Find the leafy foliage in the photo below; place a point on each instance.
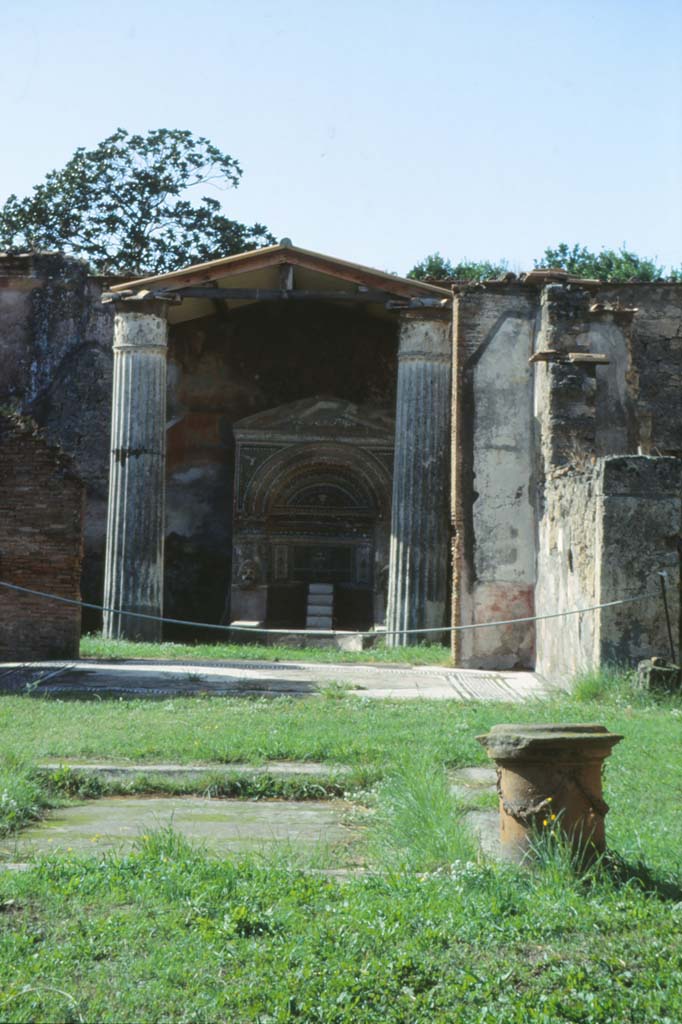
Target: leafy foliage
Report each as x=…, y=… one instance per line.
x=123, y=206
x=606, y=265
x=437, y=268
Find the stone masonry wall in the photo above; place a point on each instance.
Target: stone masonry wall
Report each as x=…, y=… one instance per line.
x=607, y=524
x=606, y=533
x=638, y=327
x=56, y=357
x=41, y=509
x=654, y=370
x=640, y=535
x=566, y=578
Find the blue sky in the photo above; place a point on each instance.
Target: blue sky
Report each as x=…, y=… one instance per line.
x=378, y=131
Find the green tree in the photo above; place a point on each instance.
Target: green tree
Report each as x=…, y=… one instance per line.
x=606, y=265
x=124, y=207
x=438, y=268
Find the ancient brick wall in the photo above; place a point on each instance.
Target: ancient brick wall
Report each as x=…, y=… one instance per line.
x=41, y=512
x=56, y=357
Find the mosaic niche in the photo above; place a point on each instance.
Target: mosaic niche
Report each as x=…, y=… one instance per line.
x=312, y=499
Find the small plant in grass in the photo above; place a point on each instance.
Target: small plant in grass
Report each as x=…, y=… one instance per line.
x=418, y=824
x=562, y=858
x=336, y=691
x=72, y=782
x=22, y=798
x=609, y=682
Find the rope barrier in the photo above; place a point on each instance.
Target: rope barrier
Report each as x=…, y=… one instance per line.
x=326, y=632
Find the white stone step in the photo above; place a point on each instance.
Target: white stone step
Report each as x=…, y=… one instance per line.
x=318, y=622
x=320, y=609
x=321, y=588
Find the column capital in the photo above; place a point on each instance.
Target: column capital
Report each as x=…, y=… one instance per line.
x=425, y=338
x=140, y=326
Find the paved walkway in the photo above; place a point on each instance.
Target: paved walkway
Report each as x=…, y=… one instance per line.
x=155, y=679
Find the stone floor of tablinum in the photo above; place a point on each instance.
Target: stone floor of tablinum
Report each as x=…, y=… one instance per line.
x=224, y=827
x=220, y=826
x=268, y=679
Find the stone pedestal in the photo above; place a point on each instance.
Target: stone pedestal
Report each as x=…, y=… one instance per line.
x=419, y=554
x=549, y=777
x=133, y=578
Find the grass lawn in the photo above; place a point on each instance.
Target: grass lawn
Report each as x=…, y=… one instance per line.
x=432, y=934
x=95, y=646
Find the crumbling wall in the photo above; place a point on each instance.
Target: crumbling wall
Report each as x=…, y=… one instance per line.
x=654, y=361
x=606, y=532
x=55, y=349
x=639, y=535
x=638, y=327
x=493, y=497
x=41, y=510
x=607, y=524
x=566, y=579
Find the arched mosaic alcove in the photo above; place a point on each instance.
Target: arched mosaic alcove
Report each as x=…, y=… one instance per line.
x=312, y=505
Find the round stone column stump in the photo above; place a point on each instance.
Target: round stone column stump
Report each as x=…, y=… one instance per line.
x=550, y=777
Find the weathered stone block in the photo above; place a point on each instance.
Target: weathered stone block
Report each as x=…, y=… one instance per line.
x=658, y=674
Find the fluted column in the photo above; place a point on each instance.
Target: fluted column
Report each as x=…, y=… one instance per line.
x=419, y=559
x=133, y=579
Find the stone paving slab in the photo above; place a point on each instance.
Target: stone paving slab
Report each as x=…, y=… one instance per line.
x=222, y=826
x=156, y=679
x=277, y=769
x=468, y=784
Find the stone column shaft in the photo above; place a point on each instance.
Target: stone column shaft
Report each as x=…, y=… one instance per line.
x=133, y=578
x=419, y=558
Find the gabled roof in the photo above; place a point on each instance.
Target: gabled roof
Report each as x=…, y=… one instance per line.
x=276, y=256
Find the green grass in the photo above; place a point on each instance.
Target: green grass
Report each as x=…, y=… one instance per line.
x=95, y=646
x=22, y=796
x=168, y=934
x=606, y=683
x=418, y=825
x=65, y=782
x=433, y=934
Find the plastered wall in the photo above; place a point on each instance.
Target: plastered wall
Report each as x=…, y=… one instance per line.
x=493, y=475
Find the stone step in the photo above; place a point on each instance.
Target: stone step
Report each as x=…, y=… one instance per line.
x=318, y=622
x=320, y=588
x=318, y=607
x=279, y=769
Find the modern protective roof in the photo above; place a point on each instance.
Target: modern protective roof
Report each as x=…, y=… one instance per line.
x=278, y=271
